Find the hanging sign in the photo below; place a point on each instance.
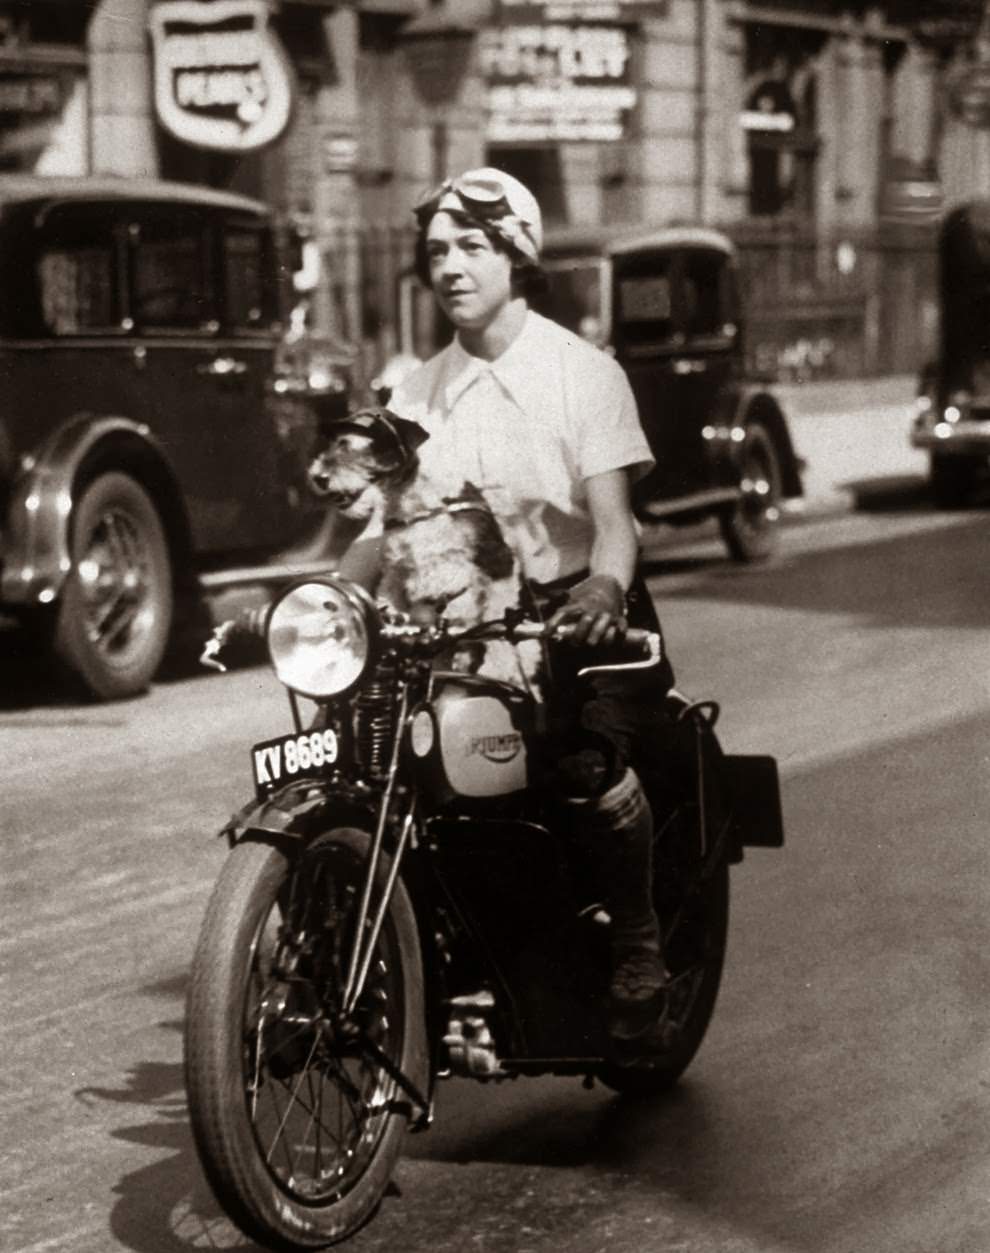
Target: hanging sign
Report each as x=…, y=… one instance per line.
x=222, y=78
x=580, y=10
x=556, y=83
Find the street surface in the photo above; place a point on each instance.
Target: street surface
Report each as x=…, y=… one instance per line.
x=841, y=1102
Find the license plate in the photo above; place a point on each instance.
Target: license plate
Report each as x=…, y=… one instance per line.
x=309, y=754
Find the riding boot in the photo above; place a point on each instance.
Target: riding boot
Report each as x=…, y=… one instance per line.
x=620, y=827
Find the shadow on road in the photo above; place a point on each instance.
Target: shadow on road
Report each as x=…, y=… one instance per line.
x=927, y=579
x=894, y=494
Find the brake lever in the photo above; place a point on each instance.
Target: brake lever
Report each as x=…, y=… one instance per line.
x=210, y=656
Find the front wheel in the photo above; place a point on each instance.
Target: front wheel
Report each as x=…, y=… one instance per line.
x=296, y=1113
x=749, y=528
x=115, y=611
x=694, y=917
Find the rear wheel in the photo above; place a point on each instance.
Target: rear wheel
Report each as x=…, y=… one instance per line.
x=297, y=1119
x=115, y=611
x=749, y=528
x=952, y=478
x=694, y=915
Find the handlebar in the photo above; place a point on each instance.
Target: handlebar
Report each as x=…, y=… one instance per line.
x=647, y=642
x=433, y=638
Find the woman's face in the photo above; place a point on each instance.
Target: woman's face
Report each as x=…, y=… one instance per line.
x=472, y=280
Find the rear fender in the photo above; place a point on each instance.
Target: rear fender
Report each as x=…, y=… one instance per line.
x=754, y=791
x=37, y=553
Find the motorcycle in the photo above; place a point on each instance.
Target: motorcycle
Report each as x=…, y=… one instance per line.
x=401, y=904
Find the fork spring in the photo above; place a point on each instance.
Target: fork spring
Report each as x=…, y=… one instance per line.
x=374, y=710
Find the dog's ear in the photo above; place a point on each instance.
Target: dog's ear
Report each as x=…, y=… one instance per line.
x=409, y=434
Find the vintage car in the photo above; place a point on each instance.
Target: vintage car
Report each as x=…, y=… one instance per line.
x=153, y=439
x=667, y=305
x=952, y=414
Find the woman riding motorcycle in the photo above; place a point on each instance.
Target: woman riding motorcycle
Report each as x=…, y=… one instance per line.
x=547, y=427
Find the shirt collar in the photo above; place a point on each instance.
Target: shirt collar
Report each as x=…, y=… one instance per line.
x=513, y=369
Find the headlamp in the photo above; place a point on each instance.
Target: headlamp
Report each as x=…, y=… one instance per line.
x=321, y=636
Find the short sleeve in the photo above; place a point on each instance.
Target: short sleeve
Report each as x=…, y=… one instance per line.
x=604, y=411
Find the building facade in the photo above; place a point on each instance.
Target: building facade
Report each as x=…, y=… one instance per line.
x=825, y=136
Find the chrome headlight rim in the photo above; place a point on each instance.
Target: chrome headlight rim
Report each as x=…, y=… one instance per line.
x=358, y=601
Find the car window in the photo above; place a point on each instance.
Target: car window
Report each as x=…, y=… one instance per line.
x=78, y=274
x=171, y=287
x=574, y=298
x=644, y=311
x=247, y=296
x=705, y=294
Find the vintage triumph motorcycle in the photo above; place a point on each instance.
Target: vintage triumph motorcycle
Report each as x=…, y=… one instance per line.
x=401, y=903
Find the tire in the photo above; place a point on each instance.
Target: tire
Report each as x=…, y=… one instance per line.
x=695, y=918
x=114, y=614
x=749, y=528
x=952, y=479
x=270, y=956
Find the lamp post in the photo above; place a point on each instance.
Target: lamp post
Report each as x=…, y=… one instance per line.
x=438, y=45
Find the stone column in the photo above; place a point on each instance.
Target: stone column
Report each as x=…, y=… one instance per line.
x=122, y=129
x=861, y=75
x=336, y=301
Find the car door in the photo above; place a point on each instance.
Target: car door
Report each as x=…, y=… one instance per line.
x=669, y=336
x=202, y=380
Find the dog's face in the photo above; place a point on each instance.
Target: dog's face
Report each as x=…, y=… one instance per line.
x=368, y=456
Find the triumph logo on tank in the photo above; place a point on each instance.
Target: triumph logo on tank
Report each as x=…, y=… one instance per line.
x=222, y=79
x=496, y=748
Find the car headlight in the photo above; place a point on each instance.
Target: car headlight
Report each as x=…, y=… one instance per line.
x=321, y=635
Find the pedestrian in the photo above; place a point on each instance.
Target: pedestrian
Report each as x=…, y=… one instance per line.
x=546, y=426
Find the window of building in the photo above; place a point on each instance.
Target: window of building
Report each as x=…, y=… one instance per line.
x=780, y=120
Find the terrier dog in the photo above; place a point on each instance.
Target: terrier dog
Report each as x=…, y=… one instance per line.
x=440, y=554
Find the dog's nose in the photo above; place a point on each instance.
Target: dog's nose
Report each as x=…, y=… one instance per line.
x=319, y=478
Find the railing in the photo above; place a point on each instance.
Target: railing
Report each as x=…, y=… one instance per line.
x=817, y=306
x=844, y=305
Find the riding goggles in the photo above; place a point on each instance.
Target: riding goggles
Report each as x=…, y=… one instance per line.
x=484, y=197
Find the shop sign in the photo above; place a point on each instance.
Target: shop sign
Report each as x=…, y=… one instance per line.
x=527, y=11
x=770, y=108
x=30, y=95
x=556, y=83
x=222, y=78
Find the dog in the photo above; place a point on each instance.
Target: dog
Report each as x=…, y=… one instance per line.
x=438, y=555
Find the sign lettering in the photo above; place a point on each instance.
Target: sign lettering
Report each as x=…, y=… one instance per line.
x=556, y=82
x=222, y=79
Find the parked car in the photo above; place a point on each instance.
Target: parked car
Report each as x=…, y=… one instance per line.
x=952, y=415
x=667, y=305
x=153, y=440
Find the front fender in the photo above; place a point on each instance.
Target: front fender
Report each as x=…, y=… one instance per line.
x=36, y=553
x=757, y=405
x=295, y=814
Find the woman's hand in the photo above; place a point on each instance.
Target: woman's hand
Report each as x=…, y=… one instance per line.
x=594, y=612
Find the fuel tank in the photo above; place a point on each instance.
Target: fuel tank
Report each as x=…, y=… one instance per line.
x=475, y=739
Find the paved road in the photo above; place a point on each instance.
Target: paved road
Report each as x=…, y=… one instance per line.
x=840, y=1102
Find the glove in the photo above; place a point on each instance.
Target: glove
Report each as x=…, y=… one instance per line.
x=594, y=612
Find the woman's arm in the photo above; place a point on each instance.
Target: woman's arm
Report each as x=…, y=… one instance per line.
x=595, y=608
x=615, y=546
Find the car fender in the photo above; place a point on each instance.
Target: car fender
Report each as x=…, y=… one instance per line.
x=756, y=405
x=36, y=541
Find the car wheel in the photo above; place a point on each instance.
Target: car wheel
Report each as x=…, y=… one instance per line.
x=115, y=611
x=749, y=528
x=951, y=479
